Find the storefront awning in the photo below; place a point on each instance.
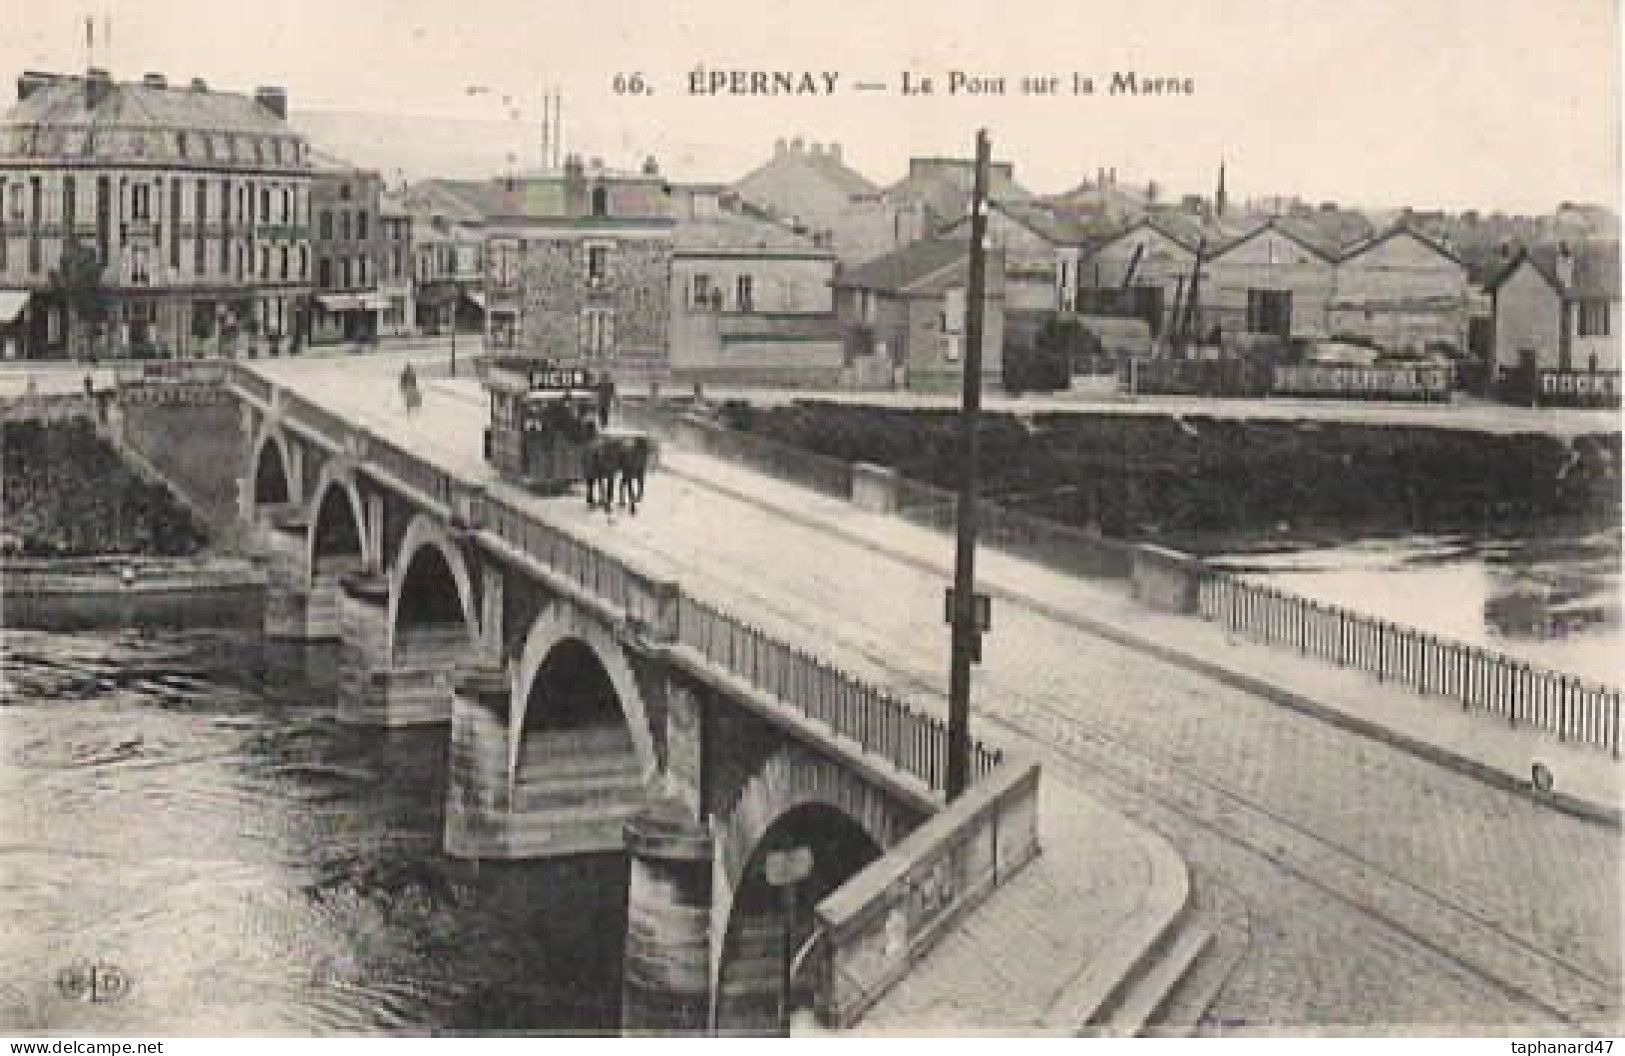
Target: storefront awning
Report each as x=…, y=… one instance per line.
x=477, y=296
x=373, y=302
x=11, y=304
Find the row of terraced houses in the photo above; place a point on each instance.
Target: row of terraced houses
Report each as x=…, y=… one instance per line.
x=214, y=226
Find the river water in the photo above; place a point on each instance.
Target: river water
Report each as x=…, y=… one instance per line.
x=184, y=808
x=1553, y=601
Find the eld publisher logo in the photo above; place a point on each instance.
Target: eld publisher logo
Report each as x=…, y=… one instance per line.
x=95, y=983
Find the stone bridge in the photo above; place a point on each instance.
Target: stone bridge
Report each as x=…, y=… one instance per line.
x=596, y=707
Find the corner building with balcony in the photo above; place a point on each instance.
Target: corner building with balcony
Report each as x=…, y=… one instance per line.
x=578, y=268
x=195, y=203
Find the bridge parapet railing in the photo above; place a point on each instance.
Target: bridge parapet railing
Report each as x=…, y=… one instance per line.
x=642, y=597
x=1479, y=678
x=172, y=371
x=876, y=720
x=249, y=382
x=297, y=408
x=413, y=471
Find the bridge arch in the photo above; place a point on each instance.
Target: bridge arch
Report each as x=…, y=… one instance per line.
x=338, y=525
x=432, y=608
x=574, y=678
x=272, y=471
x=781, y=810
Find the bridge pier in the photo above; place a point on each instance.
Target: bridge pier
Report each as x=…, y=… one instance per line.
x=287, y=600
x=373, y=690
x=478, y=793
x=751, y=992
x=666, y=970
x=326, y=589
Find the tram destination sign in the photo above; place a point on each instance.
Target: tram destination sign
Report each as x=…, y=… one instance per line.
x=550, y=377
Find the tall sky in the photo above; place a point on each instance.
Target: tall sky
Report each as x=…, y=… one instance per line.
x=1509, y=104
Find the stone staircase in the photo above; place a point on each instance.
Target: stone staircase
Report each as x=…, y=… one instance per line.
x=1181, y=975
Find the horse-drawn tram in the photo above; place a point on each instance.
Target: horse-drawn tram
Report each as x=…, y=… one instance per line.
x=549, y=430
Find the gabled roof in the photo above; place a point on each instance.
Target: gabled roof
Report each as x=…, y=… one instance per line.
x=1057, y=228
x=1596, y=270
x=1293, y=232
x=1395, y=230
x=1183, y=231
x=907, y=267
x=826, y=164
x=1329, y=233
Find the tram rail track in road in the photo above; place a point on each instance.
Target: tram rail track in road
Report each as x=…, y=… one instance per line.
x=1342, y=879
x=1572, y=995
x=1155, y=783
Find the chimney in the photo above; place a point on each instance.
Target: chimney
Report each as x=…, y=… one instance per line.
x=1111, y=174
x=816, y=148
x=796, y=145
x=780, y=147
x=1565, y=266
x=575, y=186
x=98, y=83
x=31, y=82
x=834, y=151
x=199, y=84
x=650, y=166
x=154, y=80
x=273, y=99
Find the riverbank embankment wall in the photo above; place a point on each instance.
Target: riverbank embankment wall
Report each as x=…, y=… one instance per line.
x=188, y=435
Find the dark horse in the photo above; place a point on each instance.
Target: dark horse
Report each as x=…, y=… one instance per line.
x=612, y=457
x=598, y=468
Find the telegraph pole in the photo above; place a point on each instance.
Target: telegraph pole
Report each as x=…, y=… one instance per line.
x=966, y=632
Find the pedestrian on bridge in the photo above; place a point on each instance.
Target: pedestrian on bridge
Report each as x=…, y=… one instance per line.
x=409, y=389
x=606, y=398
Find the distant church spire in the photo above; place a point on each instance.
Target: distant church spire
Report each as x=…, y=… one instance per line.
x=1219, y=197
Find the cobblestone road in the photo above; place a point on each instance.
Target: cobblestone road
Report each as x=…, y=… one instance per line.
x=1382, y=890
